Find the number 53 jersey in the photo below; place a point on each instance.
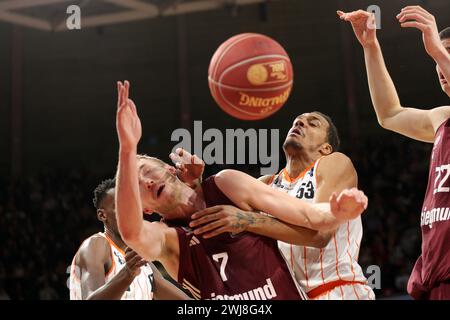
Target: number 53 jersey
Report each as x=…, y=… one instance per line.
x=320, y=270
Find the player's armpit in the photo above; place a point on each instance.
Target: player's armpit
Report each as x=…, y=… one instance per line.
x=438, y=116
x=150, y=242
x=157, y=241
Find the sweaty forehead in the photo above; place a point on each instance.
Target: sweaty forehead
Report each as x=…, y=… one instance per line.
x=312, y=115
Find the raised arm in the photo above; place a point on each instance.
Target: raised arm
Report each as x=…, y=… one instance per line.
x=390, y=113
x=147, y=239
x=250, y=194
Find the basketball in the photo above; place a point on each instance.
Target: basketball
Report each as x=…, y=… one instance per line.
x=250, y=76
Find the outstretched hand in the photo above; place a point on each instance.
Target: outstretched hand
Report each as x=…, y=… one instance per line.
x=128, y=124
x=364, y=25
x=419, y=18
x=348, y=205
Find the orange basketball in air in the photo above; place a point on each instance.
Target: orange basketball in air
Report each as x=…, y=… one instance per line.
x=250, y=76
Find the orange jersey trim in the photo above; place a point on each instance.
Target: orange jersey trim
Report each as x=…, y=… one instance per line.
x=301, y=175
x=327, y=287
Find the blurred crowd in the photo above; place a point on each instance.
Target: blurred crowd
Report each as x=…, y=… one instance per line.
x=44, y=218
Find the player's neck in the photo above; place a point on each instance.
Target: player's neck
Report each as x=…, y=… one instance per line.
x=295, y=164
x=190, y=202
x=115, y=238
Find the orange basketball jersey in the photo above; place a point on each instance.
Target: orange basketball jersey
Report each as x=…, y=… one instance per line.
x=338, y=261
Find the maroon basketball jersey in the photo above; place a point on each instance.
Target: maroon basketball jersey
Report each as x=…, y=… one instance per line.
x=433, y=266
x=226, y=267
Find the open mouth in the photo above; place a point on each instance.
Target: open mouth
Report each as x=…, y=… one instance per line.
x=442, y=79
x=160, y=190
x=297, y=131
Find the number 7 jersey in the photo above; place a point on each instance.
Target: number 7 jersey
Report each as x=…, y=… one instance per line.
x=226, y=267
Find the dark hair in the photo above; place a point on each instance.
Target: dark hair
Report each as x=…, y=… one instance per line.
x=332, y=134
x=445, y=34
x=101, y=190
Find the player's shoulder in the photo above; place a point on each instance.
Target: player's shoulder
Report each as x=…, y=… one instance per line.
x=95, y=245
x=227, y=176
x=335, y=158
x=335, y=162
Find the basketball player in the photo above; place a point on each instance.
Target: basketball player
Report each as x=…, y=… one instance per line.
x=245, y=266
x=314, y=170
x=430, y=278
x=104, y=268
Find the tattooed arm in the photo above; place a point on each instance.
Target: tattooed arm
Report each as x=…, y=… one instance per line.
x=219, y=219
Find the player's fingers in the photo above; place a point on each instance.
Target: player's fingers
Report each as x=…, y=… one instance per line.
x=175, y=158
x=365, y=202
x=333, y=202
x=196, y=160
x=123, y=96
x=184, y=155
x=181, y=167
x=413, y=24
x=425, y=15
x=215, y=232
x=206, y=211
x=130, y=254
x=341, y=14
x=210, y=226
x=357, y=15
x=132, y=106
x=140, y=263
x=205, y=219
x=412, y=16
x=119, y=100
x=179, y=151
x=416, y=8
x=133, y=260
x=127, y=90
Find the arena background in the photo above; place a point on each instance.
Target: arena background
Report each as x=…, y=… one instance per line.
x=58, y=100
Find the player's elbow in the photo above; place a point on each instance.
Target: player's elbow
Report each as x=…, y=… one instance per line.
x=387, y=120
x=322, y=239
x=131, y=237
x=382, y=122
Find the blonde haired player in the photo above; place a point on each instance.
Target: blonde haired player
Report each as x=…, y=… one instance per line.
x=315, y=171
x=104, y=268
